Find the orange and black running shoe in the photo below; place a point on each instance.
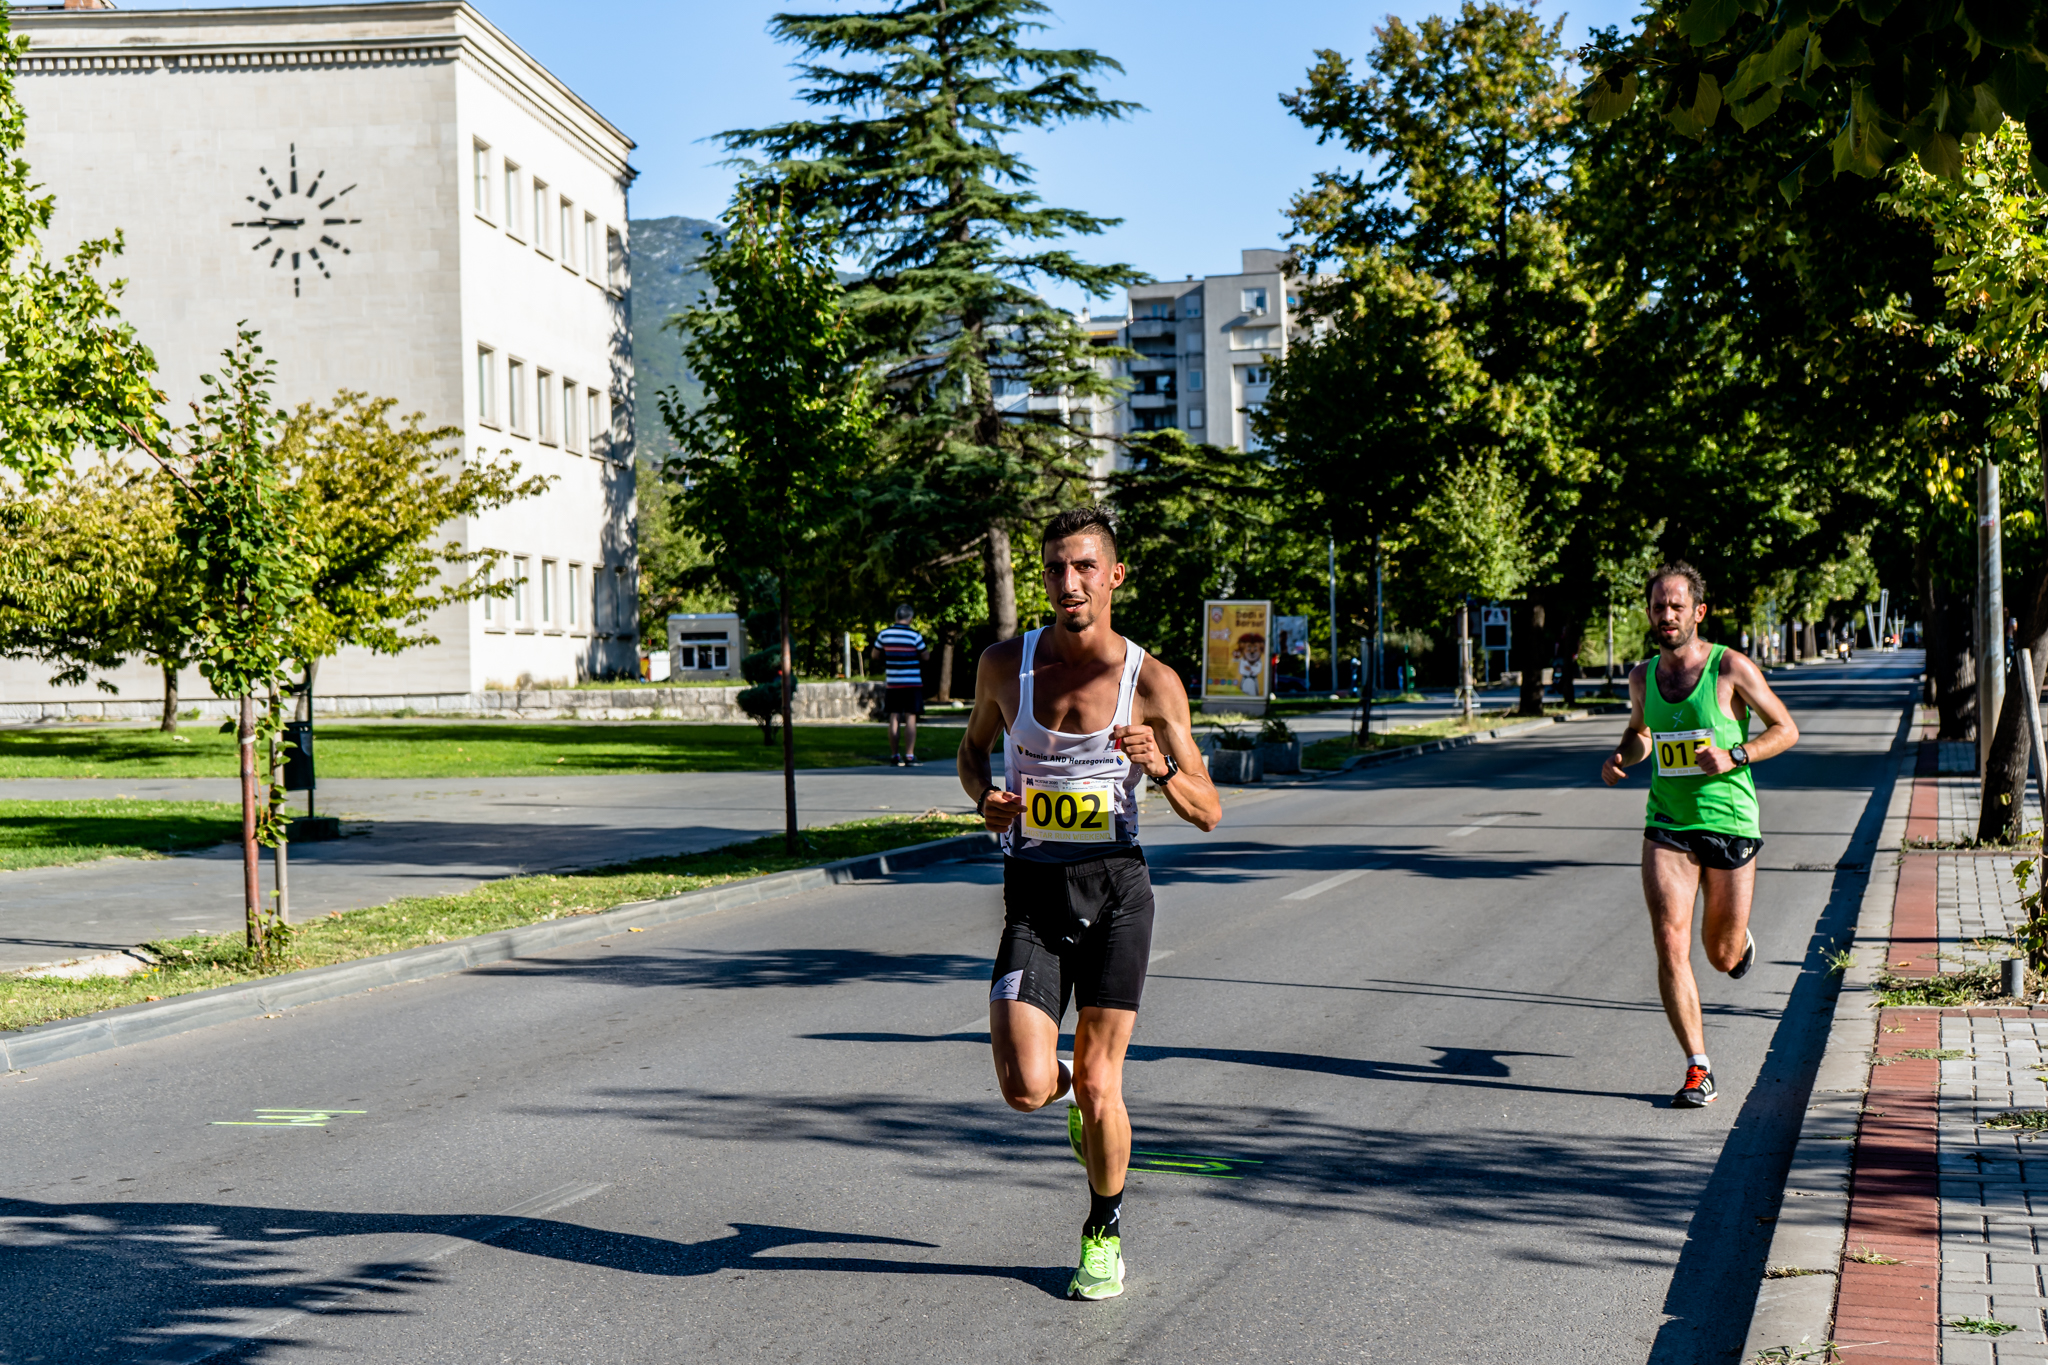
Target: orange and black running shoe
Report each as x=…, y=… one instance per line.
x=1698, y=1091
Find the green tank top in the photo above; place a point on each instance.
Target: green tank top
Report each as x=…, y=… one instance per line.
x=1681, y=796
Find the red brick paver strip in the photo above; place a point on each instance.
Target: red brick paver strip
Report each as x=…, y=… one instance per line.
x=1892, y=1312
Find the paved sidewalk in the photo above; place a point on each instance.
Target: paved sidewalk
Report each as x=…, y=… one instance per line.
x=1947, y=1236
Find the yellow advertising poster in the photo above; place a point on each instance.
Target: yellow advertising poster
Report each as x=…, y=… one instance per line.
x=1236, y=648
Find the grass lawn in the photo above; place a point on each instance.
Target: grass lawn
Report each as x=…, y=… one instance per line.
x=200, y=962
x=54, y=833
x=453, y=749
x=1331, y=753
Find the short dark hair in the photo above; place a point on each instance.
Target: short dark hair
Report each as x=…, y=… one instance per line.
x=1074, y=521
x=1695, y=583
x=905, y=612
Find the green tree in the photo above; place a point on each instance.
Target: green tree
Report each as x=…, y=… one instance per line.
x=1468, y=129
x=922, y=173
x=244, y=555
x=373, y=496
x=785, y=415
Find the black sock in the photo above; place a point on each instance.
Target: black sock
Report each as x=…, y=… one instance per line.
x=1105, y=1215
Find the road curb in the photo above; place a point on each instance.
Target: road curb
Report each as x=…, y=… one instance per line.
x=151, y=1020
x=1795, y=1313
x=1437, y=746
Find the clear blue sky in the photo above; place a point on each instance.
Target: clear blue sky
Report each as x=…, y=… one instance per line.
x=1205, y=170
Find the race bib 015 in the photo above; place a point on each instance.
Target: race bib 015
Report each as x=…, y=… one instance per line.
x=1069, y=810
x=1678, y=751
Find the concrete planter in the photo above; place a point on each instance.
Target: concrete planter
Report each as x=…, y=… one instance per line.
x=1280, y=758
x=1235, y=767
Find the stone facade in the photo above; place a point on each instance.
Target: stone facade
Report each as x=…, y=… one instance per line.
x=404, y=203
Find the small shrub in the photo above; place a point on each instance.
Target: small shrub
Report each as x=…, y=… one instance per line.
x=1230, y=737
x=2031, y=1120
x=1969, y=987
x=1276, y=731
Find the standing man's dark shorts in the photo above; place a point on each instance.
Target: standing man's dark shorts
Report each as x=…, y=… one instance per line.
x=902, y=701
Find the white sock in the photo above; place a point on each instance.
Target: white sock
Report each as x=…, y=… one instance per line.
x=1699, y=1059
x=1066, y=1083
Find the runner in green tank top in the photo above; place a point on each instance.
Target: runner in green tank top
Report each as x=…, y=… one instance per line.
x=1689, y=710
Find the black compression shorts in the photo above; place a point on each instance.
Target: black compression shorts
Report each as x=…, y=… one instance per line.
x=1080, y=931
x=1723, y=852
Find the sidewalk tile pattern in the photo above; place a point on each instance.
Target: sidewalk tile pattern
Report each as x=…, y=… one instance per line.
x=1994, y=1185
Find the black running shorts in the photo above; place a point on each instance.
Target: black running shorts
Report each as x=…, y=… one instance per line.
x=1079, y=931
x=902, y=701
x=1723, y=852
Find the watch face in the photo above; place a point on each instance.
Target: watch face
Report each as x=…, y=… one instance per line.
x=298, y=224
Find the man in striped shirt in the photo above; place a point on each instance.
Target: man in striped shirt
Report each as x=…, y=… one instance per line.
x=902, y=650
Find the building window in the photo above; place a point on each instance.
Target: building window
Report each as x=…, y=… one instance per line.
x=482, y=160
x=590, y=246
x=540, y=215
x=1253, y=375
x=1191, y=306
x=593, y=407
x=1252, y=338
x=549, y=591
x=486, y=385
x=1194, y=381
x=1194, y=419
x=622, y=602
x=488, y=575
x=574, y=601
x=569, y=441
x=519, y=563
x=1254, y=301
x=544, y=407
x=1159, y=308
x=566, y=243
x=515, y=395
x=512, y=199
x=615, y=261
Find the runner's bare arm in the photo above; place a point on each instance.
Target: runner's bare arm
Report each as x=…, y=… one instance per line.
x=1779, y=732
x=1168, y=728
x=1635, y=741
x=984, y=727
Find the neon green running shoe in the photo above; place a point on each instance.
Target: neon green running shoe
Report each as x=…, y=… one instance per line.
x=1101, y=1273
x=1074, y=1134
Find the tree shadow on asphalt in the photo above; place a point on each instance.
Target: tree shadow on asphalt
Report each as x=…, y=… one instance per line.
x=708, y=969
x=1597, y=1199
x=185, y=1281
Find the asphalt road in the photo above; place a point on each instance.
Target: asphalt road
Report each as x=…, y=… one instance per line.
x=1429, y=1099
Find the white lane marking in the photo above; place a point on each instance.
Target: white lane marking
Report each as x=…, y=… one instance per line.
x=224, y=1337
x=1330, y=883
x=1160, y=956
x=1481, y=823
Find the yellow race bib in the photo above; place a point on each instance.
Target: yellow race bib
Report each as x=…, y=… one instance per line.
x=1070, y=810
x=1678, y=751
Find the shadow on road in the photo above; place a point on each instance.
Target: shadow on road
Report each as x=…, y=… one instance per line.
x=711, y=970
x=184, y=1281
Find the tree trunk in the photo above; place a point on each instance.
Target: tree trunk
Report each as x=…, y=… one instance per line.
x=280, y=853
x=947, y=635
x=1533, y=651
x=1999, y=817
x=1809, y=641
x=1002, y=582
x=252, y=900
x=1952, y=663
x=788, y=731
x=305, y=708
x=169, y=724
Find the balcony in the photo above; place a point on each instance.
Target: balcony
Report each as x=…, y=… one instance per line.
x=1151, y=400
x=1151, y=327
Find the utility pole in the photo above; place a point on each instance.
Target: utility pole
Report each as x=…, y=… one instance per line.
x=1335, y=687
x=1465, y=658
x=1379, y=618
x=1990, y=614
x=1610, y=637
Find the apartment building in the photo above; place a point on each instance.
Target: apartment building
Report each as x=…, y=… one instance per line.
x=1206, y=348
x=404, y=203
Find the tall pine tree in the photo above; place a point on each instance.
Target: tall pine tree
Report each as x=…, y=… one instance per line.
x=953, y=241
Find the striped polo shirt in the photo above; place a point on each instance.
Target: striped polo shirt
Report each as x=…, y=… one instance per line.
x=900, y=646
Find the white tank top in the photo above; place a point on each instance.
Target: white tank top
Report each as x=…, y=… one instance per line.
x=1064, y=779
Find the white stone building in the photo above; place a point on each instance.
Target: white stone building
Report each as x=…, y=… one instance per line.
x=404, y=203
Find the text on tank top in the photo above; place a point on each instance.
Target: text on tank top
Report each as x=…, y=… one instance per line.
x=1080, y=791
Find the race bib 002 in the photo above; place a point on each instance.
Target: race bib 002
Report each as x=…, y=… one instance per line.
x=1678, y=752
x=1070, y=810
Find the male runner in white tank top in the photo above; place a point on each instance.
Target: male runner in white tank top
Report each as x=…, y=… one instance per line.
x=1087, y=714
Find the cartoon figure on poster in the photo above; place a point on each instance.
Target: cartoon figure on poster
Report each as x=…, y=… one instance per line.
x=1234, y=649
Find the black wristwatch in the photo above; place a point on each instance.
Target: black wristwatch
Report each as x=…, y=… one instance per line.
x=1171, y=769
x=1740, y=755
